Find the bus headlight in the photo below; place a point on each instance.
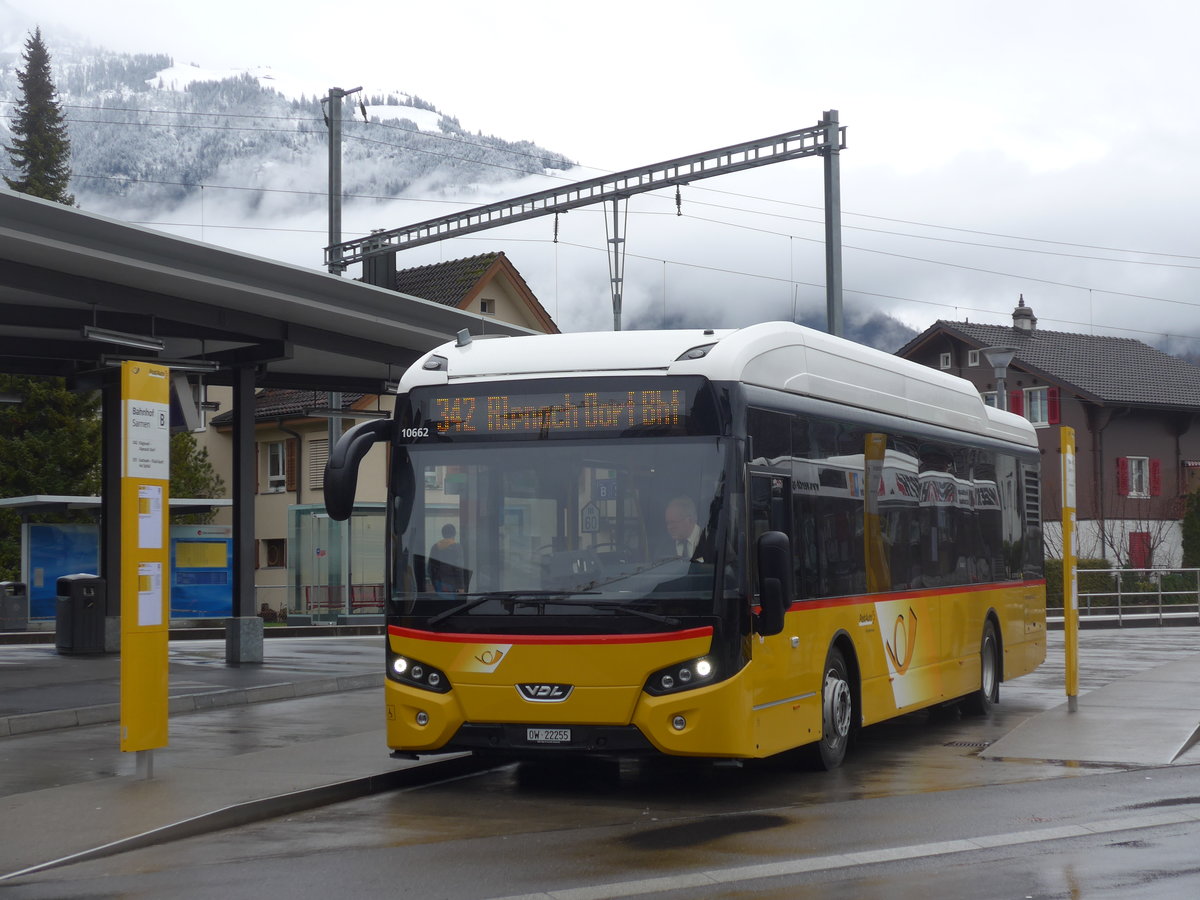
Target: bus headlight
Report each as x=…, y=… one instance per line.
x=414, y=673
x=681, y=676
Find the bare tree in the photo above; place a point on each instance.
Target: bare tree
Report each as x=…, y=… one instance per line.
x=1156, y=518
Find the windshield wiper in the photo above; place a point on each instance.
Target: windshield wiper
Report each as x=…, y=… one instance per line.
x=523, y=597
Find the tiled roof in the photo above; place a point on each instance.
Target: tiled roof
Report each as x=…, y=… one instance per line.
x=446, y=283
x=1108, y=369
x=273, y=403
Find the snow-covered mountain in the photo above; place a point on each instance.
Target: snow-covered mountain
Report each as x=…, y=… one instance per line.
x=240, y=158
x=150, y=134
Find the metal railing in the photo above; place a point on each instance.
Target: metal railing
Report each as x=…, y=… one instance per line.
x=330, y=600
x=1136, y=596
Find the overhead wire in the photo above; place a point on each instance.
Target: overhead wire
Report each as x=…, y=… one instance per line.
x=318, y=125
x=939, y=226
x=782, y=280
x=763, y=277
x=937, y=262
x=350, y=135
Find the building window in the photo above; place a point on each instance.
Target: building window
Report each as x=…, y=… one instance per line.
x=944, y=361
x=276, y=467
x=1040, y=405
x=1139, y=476
x=279, y=466
x=487, y=307
x=972, y=357
x=1036, y=406
x=989, y=399
x=1191, y=477
x=274, y=553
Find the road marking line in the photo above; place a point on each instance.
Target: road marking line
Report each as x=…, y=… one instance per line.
x=867, y=857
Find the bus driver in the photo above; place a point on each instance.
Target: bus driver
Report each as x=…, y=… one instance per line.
x=683, y=529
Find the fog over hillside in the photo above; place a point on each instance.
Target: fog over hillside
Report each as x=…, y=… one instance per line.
x=240, y=159
x=991, y=152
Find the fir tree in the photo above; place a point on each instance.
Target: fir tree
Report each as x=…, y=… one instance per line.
x=41, y=148
x=49, y=440
x=49, y=444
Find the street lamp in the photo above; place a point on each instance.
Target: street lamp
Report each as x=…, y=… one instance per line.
x=999, y=358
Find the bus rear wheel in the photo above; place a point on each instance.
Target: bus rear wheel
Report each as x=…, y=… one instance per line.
x=984, y=700
x=837, y=713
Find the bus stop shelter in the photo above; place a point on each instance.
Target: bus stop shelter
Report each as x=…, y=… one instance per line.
x=80, y=292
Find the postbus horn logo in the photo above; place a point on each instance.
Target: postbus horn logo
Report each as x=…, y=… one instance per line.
x=903, y=642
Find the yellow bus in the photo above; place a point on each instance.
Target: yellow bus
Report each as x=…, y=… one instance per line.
x=723, y=544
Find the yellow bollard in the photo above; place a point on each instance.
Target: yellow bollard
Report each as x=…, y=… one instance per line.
x=1070, y=578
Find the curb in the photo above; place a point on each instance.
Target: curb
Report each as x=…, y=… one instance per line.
x=1152, y=620
x=50, y=720
x=424, y=772
x=214, y=633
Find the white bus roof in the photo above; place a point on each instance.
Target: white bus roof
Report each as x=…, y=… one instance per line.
x=777, y=355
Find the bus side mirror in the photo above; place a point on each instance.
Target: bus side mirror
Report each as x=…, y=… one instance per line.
x=774, y=581
x=341, y=470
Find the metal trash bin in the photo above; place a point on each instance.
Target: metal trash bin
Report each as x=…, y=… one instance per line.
x=14, y=606
x=79, y=623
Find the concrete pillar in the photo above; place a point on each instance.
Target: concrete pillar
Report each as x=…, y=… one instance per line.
x=243, y=640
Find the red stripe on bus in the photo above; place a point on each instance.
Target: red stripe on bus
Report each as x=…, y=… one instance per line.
x=397, y=631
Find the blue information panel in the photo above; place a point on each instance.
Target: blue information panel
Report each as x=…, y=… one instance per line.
x=201, y=572
x=201, y=567
x=54, y=551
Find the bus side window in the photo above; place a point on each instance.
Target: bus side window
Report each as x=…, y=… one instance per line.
x=760, y=507
x=770, y=441
x=769, y=496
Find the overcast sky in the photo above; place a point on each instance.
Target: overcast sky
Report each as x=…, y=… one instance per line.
x=1068, y=130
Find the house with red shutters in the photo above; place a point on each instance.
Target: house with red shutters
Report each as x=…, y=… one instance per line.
x=1134, y=409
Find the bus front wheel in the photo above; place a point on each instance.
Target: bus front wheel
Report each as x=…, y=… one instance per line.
x=837, y=713
x=982, y=701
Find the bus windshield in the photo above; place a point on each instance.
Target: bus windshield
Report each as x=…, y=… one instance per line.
x=618, y=529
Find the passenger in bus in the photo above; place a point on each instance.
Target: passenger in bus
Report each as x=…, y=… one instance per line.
x=446, y=563
x=684, y=531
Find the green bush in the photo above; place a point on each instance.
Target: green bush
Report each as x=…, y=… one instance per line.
x=1181, y=586
x=1136, y=591
x=1191, y=531
x=1143, y=591
x=1089, y=582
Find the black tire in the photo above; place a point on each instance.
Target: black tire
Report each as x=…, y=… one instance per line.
x=984, y=700
x=837, y=713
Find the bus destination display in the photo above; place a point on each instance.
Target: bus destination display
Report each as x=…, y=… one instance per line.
x=552, y=414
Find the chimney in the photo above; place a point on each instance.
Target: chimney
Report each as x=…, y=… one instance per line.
x=1023, y=317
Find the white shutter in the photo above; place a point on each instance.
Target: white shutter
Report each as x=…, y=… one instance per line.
x=318, y=454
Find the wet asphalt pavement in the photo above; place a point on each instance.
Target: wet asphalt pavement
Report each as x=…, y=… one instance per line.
x=306, y=727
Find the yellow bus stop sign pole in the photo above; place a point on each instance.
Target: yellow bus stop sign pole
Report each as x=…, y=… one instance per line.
x=1070, y=579
x=145, y=582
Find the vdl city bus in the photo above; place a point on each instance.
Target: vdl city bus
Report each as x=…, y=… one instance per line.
x=866, y=543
